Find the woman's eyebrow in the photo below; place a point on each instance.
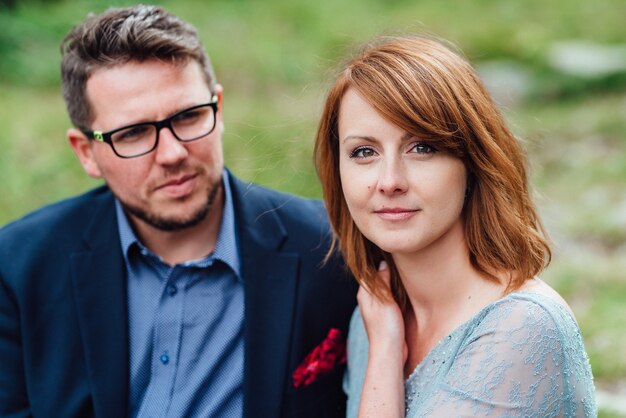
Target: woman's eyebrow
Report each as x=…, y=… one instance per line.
x=407, y=137
x=367, y=138
x=404, y=138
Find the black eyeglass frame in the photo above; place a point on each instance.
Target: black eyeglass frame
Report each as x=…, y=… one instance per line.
x=100, y=136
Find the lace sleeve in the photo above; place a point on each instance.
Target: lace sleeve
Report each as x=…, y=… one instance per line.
x=357, y=364
x=524, y=358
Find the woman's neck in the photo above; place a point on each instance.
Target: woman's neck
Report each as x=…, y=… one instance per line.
x=444, y=290
x=440, y=274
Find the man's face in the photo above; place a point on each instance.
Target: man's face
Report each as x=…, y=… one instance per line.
x=176, y=185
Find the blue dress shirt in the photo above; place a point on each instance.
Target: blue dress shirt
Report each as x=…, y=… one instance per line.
x=185, y=327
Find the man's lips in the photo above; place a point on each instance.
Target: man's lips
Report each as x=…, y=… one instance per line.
x=395, y=214
x=177, y=181
x=179, y=186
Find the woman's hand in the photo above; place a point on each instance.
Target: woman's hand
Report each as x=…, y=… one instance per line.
x=382, y=319
x=382, y=395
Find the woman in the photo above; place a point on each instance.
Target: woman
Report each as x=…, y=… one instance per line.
x=427, y=192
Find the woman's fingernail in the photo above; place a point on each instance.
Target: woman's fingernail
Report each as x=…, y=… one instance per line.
x=383, y=266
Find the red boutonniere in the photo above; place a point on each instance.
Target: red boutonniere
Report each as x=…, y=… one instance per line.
x=324, y=358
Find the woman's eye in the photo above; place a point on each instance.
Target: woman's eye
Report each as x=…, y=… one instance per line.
x=362, y=152
x=423, y=148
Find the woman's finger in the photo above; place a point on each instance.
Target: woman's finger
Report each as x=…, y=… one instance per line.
x=383, y=273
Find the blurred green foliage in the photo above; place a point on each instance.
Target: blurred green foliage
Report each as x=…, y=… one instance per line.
x=275, y=60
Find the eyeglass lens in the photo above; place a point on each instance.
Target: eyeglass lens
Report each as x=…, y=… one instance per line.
x=186, y=126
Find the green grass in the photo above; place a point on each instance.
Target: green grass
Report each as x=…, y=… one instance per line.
x=36, y=164
x=275, y=60
x=595, y=289
x=576, y=149
x=579, y=171
x=608, y=414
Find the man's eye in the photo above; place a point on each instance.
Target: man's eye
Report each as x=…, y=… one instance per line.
x=423, y=148
x=192, y=116
x=362, y=152
x=188, y=116
x=132, y=134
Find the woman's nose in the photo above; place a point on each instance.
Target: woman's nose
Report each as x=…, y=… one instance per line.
x=392, y=178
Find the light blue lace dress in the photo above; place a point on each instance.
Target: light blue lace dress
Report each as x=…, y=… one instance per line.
x=521, y=356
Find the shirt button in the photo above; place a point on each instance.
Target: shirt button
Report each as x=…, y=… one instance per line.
x=164, y=358
x=172, y=290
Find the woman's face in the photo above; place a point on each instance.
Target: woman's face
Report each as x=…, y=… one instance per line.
x=403, y=194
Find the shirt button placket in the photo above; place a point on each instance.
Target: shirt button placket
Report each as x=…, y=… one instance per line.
x=172, y=290
x=168, y=328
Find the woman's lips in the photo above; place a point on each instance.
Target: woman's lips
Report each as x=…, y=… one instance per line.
x=395, y=214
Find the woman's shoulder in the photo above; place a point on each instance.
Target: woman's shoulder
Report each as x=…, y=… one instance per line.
x=532, y=323
x=534, y=308
x=543, y=291
x=530, y=340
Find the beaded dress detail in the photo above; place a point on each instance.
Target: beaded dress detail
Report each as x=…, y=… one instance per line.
x=521, y=356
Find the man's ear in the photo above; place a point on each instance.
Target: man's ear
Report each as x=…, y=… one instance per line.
x=219, y=90
x=83, y=148
x=220, y=106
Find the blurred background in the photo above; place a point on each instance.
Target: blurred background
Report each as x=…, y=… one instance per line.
x=557, y=68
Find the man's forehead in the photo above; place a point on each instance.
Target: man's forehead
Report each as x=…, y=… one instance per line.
x=137, y=90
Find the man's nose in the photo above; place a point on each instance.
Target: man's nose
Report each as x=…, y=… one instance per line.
x=169, y=150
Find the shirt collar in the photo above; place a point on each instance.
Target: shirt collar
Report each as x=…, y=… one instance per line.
x=226, y=246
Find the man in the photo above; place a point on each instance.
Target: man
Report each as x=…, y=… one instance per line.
x=175, y=290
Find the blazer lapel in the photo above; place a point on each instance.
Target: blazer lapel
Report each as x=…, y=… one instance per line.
x=270, y=281
x=98, y=276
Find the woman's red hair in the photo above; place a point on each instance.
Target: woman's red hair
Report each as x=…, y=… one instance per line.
x=430, y=91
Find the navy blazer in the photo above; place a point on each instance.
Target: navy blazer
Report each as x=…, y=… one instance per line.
x=63, y=307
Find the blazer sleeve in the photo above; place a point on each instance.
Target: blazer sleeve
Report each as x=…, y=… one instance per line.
x=13, y=394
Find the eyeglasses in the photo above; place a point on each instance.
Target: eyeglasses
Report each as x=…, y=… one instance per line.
x=142, y=138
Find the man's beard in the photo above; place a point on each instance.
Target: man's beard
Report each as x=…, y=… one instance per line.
x=172, y=224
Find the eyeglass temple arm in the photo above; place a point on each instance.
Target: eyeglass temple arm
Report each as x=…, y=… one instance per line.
x=97, y=136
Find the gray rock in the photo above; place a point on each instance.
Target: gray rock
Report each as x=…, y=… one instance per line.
x=507, y=81
x=587, y=59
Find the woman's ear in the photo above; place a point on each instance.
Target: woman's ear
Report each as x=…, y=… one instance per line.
x=83, y=148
